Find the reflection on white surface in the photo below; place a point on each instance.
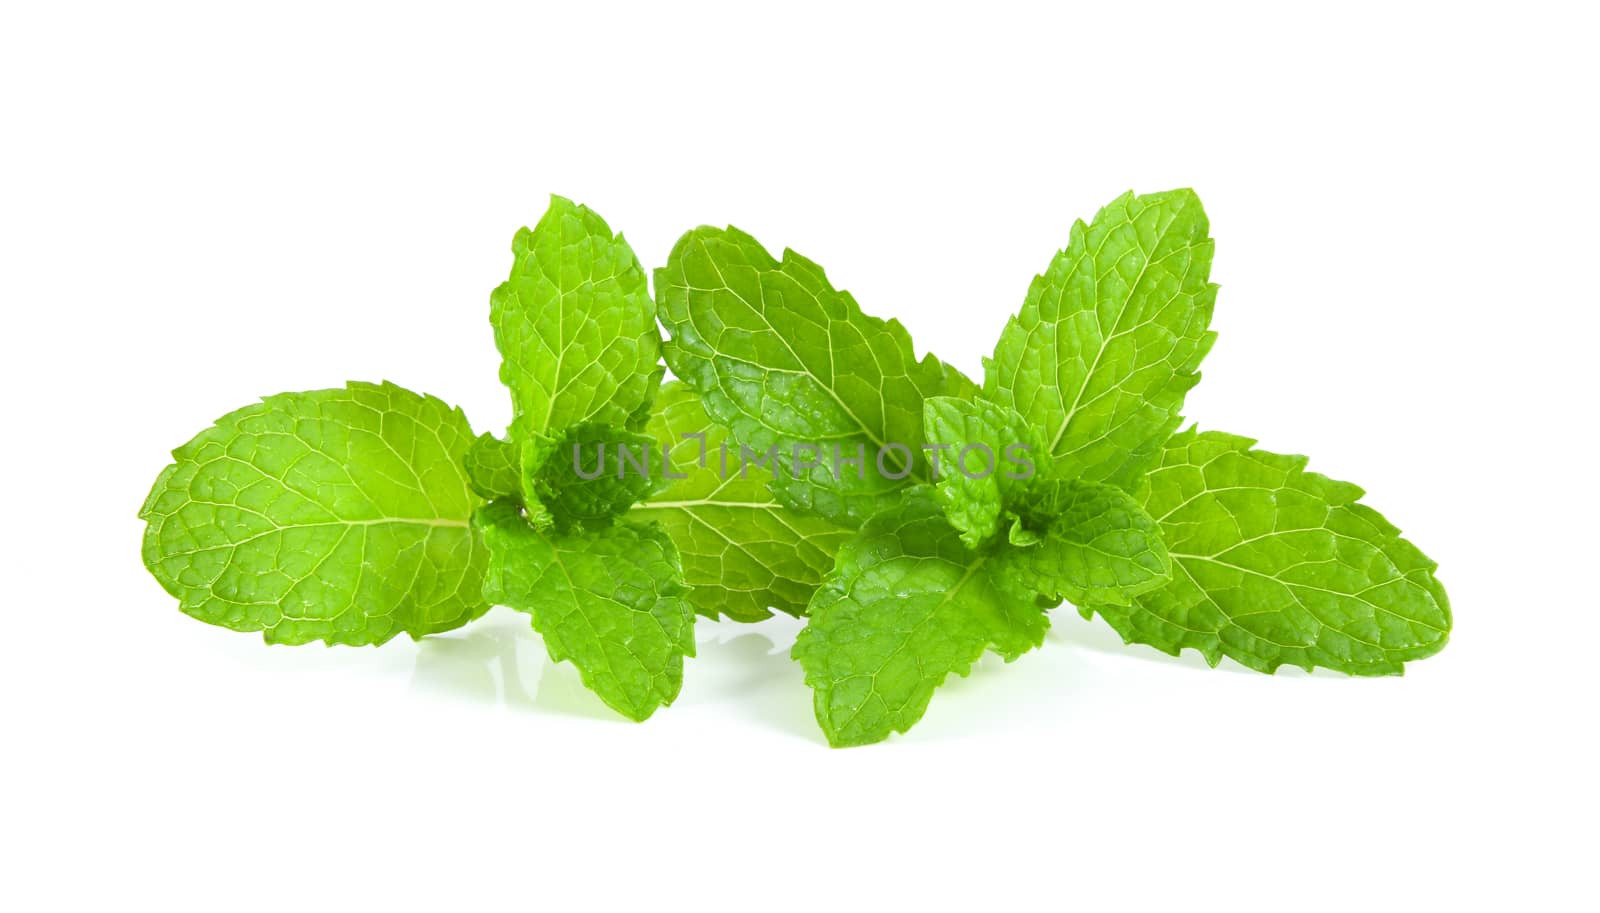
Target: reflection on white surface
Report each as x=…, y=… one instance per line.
x=500, y=660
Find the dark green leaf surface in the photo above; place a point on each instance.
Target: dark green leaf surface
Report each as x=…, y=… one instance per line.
x=1110, y=338
x=610, y=601
x=906, y=606
x=622, y=480
x=1274, y=565
x=335, y=515
x=744, y=552
x=782, y=359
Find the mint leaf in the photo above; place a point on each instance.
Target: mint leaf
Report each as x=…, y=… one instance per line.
x=610, y=601
x=575, y=325
x=743, y=551
x=1097, y=545
x=335, y=515
x=785, y=361
x=1109, y=339
x=989, y=463
x=626, y=467
x=494, y=467
x=1274, y=565
x=906, y=606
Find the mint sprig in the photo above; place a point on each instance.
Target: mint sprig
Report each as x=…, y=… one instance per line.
x=932, y=521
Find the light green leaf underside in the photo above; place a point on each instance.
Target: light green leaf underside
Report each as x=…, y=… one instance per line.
x=1274, y=565
x=783, y=359
x=743, y=551
x=990, y=459
x=336, y=515
x=1098, y=546
x=906, y=606
x=610, y=601
x=1110, y=337
x=575, y=325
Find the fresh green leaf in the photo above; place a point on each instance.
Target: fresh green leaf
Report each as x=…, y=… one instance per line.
x=625, y=467
x=494, y=467
x=575, y=326
x=1097, y=545
x=1110, y=338
x=785, y=361
x=609, y=600
x=743, y=551
x=986, y=461
x=906, y=606
x=335, y=515
x=1274, y=565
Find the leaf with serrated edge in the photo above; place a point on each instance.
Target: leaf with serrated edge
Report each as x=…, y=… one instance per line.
x=610, y=601
x=981, y=473
x=783, y=359
x=906, y=606
x=1110, y=337
x=575, y=325
x=1274, y=565
x=494, y=467
x=744, y=552
x=335, y=515
x=1097, y=546
x=626, y=466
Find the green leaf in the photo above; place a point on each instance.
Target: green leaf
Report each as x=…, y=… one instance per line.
x=785, y=361
x=986, y=461
x=1110, y=338
x=334, y=515
x=743, y=551
x=625, y=465
x=575, y=325
x=610, y=601
x=1274, y=565
x=494, y=467
x=906, y=606
x=1097, y=546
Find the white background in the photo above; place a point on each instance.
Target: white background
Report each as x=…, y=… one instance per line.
x=201, y=206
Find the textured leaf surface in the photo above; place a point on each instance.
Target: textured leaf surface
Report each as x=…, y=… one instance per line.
x=626, y=467
x=743, y=551
x=610, y=601
x=1097, y=546
x=335, y=515
x=906, y=606
x=980, y=471
x=783, y=359
x=1275, y=565
x=1110, y=337
x=575, y=325
x=494, y=467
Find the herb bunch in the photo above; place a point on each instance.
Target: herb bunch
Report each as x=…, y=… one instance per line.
x=352, y=515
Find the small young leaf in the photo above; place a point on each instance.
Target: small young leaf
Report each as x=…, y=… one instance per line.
x=1274, y=565
x=743, y=551
x=1110, y=338
x=575, y=325
x=609, y=600
x=906, y=606
x=494, y=467
x=987, y=464
x=1098, y=545
x=785, y=361
x=624, y=465
x=335, y=515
